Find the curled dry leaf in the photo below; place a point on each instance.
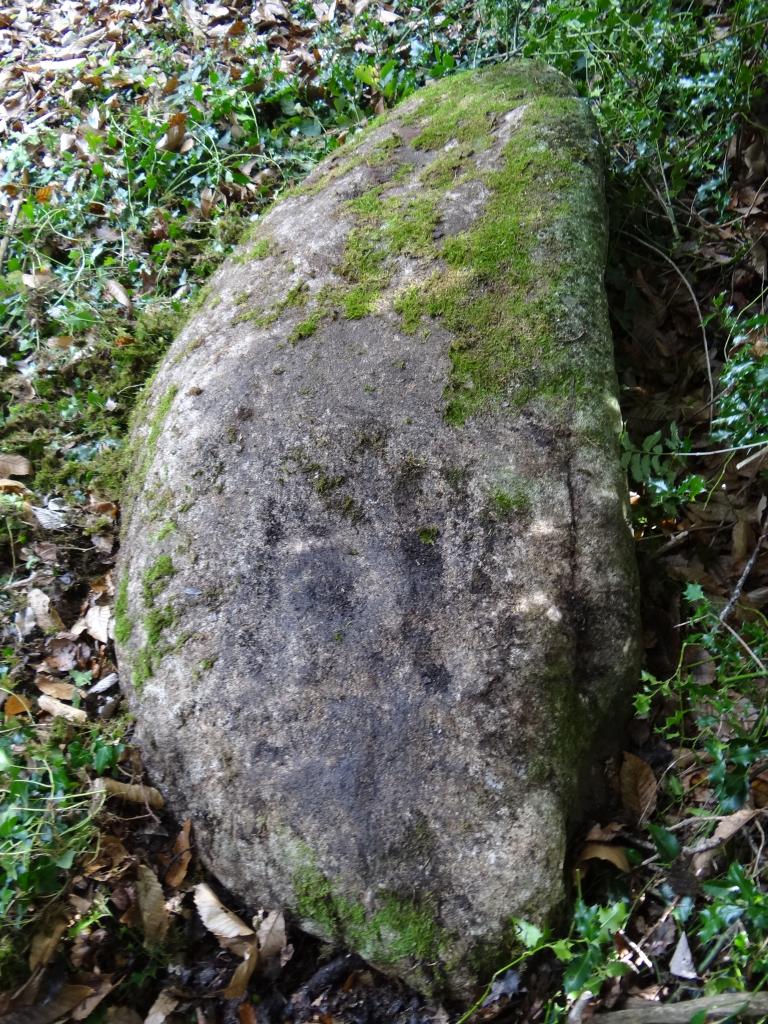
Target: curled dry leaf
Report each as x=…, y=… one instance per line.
x=118, y=293
x=638, y=786
x=175, y=133
x=13, y=487
x=272, y=935
x=46, y=617
x=97, y=622
x=182, y=854
x=238, y=984
x=14, y=465
x=217, y=919
x=58, y=710
x=725, y=830
x=615, y=855
x=109, y=860
x=133, y=794
x=154, y=917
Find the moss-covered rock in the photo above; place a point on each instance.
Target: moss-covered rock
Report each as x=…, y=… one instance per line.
x=378, y=599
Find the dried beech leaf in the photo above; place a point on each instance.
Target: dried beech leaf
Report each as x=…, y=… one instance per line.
x=16, y=705
x=58, y=710
x=109, y=860
x=725, y=830
x=14, y=465
x=182, y=854
x=13, y=487
x=55, y=687
x=46, y=617
x=638, y=786
x=216, y=918
x=84, y=1010
x=615, y=855
x=118, y=293
x=45, y=941
x=164, y=1005
x=238, y=984
x=271, y=934
x=134, y=794
x=97, y=622
x=154, y=917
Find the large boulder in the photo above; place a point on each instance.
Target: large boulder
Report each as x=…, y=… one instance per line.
x=378, y=602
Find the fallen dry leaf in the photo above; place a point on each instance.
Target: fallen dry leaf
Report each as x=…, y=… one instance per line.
x=118, y=293
x=55, y=687
x=271, y=934
x=638, y=786
x=104, y=986
x=46, y=939
x=155, y=920
x=46, y=617
x=97, y=622
x=13, y=487
x=58, y=710
x=16, y=705
x=14, y=465
x=726, y=828
x=615, y=855
x=238, y=984
x=681, y=964
x=217, y=919
x=175, y=133
x=182, y=854
x=133, y=794
x=164, y=1005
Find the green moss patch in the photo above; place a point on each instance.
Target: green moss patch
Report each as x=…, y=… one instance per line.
x=399, y=930
x=500, y=296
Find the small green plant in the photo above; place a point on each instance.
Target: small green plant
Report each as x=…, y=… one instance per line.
x=656, y=468
x=46, y=812
x=589, y=955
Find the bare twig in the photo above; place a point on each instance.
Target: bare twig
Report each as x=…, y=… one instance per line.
x=733, y=599
x=727, y=1004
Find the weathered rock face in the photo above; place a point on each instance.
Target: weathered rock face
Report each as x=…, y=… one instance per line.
x=378, y=596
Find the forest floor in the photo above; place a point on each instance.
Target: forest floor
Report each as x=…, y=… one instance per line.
x=139, y=139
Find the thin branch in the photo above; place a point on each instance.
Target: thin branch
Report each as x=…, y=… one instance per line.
x=732, y=600
x=727, y=1004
